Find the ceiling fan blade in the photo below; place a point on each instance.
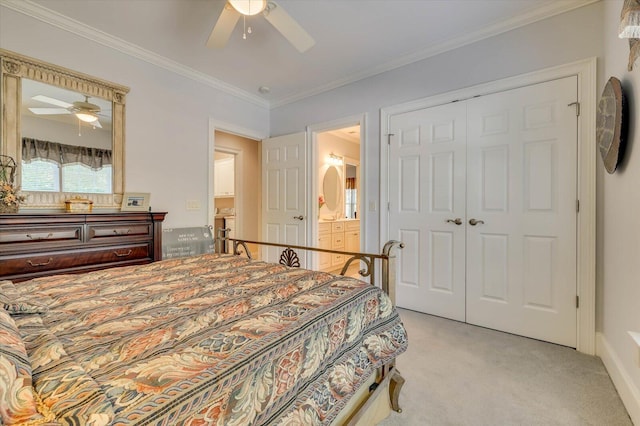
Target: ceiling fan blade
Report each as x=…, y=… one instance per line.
x=51, y=101
x=288, y=27
x=224, y=27
x=49, y=111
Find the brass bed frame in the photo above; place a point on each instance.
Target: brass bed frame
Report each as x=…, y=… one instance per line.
x=388, y=376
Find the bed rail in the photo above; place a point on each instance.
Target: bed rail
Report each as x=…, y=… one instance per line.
x=289, y=257
x=388, y=378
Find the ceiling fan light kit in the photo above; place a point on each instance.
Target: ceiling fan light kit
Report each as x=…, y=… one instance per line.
x=248, y=7
x=272, y=12
x=83, y=110
x=86, y=116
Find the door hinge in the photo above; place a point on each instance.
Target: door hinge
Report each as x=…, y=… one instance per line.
x=577, y=206
x=389, y=138
x=577, y=104
x=389, y=206
x=577, y=301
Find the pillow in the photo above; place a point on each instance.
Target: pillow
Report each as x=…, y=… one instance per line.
x=64, y=387
x=15, y=303
x=18, y=401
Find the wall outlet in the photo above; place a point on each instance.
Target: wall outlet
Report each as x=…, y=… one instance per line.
x=193, y=204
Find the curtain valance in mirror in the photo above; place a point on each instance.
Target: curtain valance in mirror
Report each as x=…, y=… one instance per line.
x=95, y=158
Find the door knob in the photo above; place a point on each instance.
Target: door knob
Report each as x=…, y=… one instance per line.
x=299, y=217
x=457, y=221
x=474, y=222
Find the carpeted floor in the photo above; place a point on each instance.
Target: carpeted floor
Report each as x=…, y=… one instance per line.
x=459, y=374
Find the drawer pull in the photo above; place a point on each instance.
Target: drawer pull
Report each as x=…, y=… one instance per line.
x=123, y=254
x=36, y=238
x=115, y=231
x=35, y=265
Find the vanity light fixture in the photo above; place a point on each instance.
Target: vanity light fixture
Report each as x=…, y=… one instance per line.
x=335, y=160
x=630, y=20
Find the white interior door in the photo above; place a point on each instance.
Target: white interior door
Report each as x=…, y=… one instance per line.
x=427, y=208
x=505, y=164
x=284, y=180
x=521, y=185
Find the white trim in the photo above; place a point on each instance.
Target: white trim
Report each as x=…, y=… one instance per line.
x=621, y=379
x=51, y=17
x=537, y=14
x=34, y=10
x=585, y=70
x=313, y=166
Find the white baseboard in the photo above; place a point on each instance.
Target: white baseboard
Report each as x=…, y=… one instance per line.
x=628, y=391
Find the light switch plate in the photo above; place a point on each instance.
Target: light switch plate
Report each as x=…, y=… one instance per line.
x=193, y=204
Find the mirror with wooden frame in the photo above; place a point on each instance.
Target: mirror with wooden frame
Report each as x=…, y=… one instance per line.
x=104, y=102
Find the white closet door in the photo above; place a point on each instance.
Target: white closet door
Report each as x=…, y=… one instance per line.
x=521, y=185
x=427, y=197
x=284, y=183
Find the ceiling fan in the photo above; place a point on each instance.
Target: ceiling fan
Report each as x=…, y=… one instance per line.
x=272, y=12
x=84, y=110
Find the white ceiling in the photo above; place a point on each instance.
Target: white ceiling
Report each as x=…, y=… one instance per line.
x=354, y=38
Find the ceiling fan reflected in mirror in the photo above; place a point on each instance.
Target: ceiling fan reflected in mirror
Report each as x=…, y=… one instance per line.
x=272, y=12
x=83, y=110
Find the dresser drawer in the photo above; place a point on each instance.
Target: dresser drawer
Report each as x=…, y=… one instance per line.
x=337, y=241
x=338, y=259
x=337, y=227
x=352, y=225
x=36, y=234
x=103, y=232
x=324, y=228
x=63, y=260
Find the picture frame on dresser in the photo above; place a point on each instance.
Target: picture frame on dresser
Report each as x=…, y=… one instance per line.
x=135, y=202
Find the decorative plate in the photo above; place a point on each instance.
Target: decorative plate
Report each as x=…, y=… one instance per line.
x=611, y=124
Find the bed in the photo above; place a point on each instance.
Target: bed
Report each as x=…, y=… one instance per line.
x=209, y=339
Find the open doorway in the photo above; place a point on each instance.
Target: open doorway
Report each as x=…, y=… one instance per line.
x=339, y=186
x=224, y=191
x=236, y=185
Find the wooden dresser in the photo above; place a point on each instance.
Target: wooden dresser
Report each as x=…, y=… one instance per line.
x=39, y=244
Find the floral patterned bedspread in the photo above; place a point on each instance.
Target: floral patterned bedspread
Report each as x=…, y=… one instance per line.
x=206, y=340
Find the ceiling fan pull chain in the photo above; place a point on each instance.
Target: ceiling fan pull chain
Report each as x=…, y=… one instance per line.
x=244, y=27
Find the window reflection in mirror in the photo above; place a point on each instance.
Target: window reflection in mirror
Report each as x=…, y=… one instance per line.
x=61, y=152
x=350, y=192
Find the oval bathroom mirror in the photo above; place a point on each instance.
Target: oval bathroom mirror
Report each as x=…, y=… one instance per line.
x=332, y=187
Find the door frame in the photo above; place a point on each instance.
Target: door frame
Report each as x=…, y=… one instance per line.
x=313, y=165
x=216, y=125
x=585, y=70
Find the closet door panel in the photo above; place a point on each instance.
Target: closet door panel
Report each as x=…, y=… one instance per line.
x=521, y=183
x=427, y=187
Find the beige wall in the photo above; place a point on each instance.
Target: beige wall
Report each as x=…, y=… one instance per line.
x=618, y=247
x=248, y=195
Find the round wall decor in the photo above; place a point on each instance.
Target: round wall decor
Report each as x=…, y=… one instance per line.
x=611, y=124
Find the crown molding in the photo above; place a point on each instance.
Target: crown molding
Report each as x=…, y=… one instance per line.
x=549, y=10
x=48, y=16
x=34, y=10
